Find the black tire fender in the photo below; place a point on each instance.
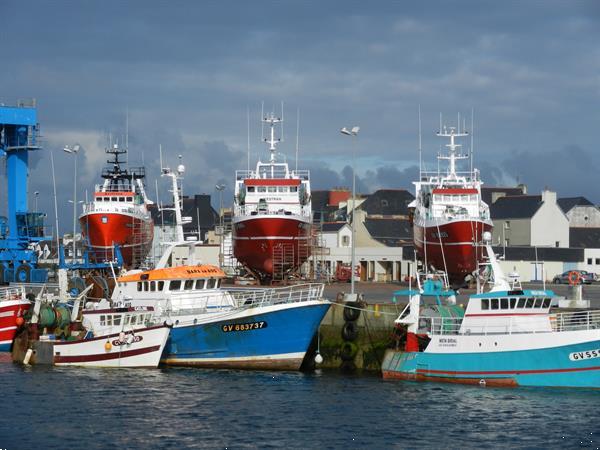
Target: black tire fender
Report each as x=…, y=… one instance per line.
x=351, y=313
x=350, y=331
x=348, y=351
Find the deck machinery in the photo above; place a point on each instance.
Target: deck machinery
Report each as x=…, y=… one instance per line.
x=22, y=229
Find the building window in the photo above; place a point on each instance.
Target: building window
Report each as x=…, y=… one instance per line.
x=557, y=244
x=590, y=261
x=345, y=241
x=507, y=225
x=597, y=261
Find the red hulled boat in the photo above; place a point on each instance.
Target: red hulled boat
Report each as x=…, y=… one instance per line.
x=118, y=214
x=13, y=305
x=272, y=220
x=449, y=216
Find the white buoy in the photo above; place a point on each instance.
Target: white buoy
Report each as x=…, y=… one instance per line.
x=27, y=357
x=318, y=358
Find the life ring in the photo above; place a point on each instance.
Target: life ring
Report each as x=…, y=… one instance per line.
x=574, y=278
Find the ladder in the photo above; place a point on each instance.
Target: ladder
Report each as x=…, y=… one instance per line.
x=283, y=260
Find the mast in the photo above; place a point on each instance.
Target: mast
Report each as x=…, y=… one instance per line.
x=453, y=148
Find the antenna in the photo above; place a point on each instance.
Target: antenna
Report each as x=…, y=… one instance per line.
x=297, y=136
x=248, y=117
x=127, y=136
x=281, y=140
x=472, y=114
x=420, y=148
x=440, y=123
x=458, y=121
x=160, y=156
x=262, y=119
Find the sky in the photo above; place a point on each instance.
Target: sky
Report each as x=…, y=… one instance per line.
x=185, y=74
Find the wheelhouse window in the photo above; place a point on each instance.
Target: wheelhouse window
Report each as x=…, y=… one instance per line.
x=282, y=189
x=547, y=302
x=189, y=284
x=485, y=303
x=121, y=199
x=503, y=303
x=161, y=285
x=261, y=189
x=513, y=303
x=139, y=286
x=250, y=188
x=529, y=303
x=212, y=283
x=129, y=199
x=146, y=286
x=175, y=285
x=272, y=189
x=495, y=303
x=117, y=320
x=293, y=188
x=200, y=284
x=538, y=302
x=153, y=286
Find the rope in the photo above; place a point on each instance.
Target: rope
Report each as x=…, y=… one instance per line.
x=364, y=309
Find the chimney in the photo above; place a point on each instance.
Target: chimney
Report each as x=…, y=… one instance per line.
x=497, y=195
x=548, y=196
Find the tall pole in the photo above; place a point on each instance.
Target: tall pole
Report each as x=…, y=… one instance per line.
x=353, y=133
x=220, y=187
x=74, y=207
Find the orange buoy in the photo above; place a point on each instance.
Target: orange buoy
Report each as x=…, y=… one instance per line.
x=19, y=321
x=108, y=346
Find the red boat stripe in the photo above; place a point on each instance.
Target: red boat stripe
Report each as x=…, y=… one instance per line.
x=104, y=356
x=455, y=191
x=106, y=336
x=272, y=182
x=506, y=372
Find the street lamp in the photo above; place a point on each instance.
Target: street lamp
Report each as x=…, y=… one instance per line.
x=220, y=188
x=353, y=133
x=74, y=151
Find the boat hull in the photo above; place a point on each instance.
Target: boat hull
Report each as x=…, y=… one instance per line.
x=571, y=365
x=272, y=245
x=105, y=230
x=143, y=348
x=270, y=337
x=10, y=310
x=454, y=247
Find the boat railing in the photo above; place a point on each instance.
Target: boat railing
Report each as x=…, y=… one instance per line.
x=256, y=210
x=12, y=293
x=575, y=321
x=114, y=207
x=559, y=322
x=130, y=190
x=249, y=298
x=265, y=173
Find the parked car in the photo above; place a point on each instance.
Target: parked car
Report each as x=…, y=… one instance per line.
x=585, y=277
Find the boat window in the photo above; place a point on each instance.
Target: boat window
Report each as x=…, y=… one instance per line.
x=293, y=188
x=250, y=188
x=282, y=189
x=538, y=302
x=146, y=286
x=464, y=198
x=129, y=199
x=485, y=303
x=127, y=320
x=175, y=285
x=261, y=189
x=529, y=303
x=218, y=284
x=495, y=303
x=153, y=286
x=513, y=303
x=117, y=320
x=272, y=189
x=107, y=199
x=102, y=319
x=521, y=303
x=121, y=199
x=139, y=286
x=212, y=283
x=109, y=320
x=503, y=303
x=161, y=285
x=200, y=284
x=133, y=320
x=547, y=303
x=99, y=199
x=189, y=284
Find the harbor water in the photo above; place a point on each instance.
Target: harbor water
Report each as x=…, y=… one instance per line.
x=163, y=408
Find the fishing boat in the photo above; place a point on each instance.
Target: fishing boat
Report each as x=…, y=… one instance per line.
x=118, y=214
x=14, y=303
x=507, y=336
x=266, y=328
x=105, y=336
x=449, y=216
x=272, y=215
